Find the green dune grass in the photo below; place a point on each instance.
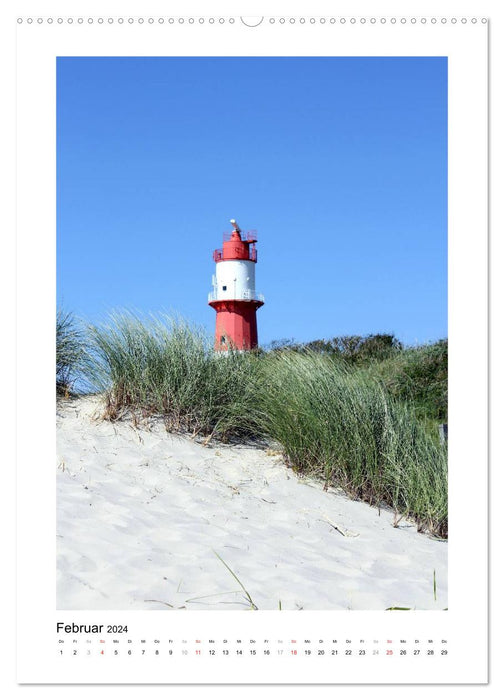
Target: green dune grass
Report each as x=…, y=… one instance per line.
x=348, y=424
x=72, y=359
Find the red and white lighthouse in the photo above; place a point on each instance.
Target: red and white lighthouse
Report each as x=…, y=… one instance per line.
x=234, y=296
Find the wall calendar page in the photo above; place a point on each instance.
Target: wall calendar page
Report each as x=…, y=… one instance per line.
x=247, y=240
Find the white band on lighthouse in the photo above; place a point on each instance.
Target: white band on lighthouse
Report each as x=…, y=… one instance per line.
x=234, y=279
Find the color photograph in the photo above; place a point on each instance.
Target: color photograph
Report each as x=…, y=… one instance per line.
x=252, y=333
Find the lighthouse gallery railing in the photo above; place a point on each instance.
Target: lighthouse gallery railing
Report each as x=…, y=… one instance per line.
x=244, y=296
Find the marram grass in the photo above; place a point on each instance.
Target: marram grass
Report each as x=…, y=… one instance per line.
x=164, y=366
x=72, y=361
x=330, y=419
x=345, y=424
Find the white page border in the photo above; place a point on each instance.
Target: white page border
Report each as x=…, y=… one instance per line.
x=465, y=46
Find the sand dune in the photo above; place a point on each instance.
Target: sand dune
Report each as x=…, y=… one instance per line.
x=141, y=515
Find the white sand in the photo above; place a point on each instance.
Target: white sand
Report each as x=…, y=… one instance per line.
x=141, y=513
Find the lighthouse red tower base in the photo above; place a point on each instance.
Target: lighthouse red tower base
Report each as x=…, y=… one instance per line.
x=236, y=324
x=234, y=297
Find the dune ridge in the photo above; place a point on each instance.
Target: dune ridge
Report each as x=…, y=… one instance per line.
x=145, y=520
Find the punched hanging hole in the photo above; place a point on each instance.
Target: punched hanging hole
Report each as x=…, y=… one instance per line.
x=251, y=21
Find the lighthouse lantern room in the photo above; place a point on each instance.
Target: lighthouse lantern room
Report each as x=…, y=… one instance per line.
x=234, y=296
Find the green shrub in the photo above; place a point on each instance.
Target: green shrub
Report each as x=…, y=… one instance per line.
x=354, y=349
x=419, y=376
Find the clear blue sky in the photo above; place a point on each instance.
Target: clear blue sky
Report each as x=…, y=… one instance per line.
x=339, y=163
